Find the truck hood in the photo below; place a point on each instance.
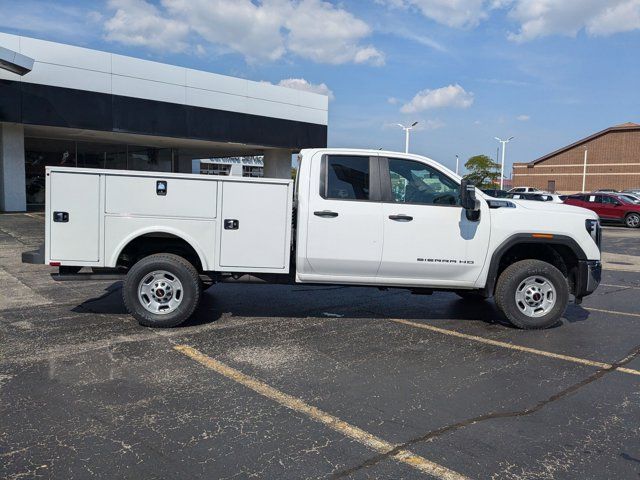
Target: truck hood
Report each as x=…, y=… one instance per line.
x=556, y=208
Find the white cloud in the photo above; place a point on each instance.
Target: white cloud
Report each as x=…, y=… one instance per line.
x=264, y=30
x=393, y=100
x=523, y=118
x=305, y=86
x=324, y=33
x=540, y=18
x=453, y=13
x=136, y=22
x=535, y=18
x=449, y=96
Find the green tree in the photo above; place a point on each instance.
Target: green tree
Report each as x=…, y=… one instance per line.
x=483, y=171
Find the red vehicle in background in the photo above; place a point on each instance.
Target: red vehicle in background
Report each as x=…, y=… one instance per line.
x=609, y=207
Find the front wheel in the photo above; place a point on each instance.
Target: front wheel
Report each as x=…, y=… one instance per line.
x=162, y=290
x=532, y=294
x=632, y=220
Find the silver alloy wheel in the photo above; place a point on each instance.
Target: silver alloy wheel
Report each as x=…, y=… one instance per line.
x=633, y=220
x=535, y=296
x=160, y=292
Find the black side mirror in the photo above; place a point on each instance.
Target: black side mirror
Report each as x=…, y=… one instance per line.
x=468, y=200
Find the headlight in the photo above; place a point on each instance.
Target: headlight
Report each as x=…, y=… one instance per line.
x=593, y=227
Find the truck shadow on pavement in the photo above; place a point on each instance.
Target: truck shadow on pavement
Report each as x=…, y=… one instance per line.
x=284, y=301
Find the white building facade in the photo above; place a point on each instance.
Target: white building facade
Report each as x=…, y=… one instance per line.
x=87, y=108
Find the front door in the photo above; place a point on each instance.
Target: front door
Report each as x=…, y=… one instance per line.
x=427, y=236
x=551, y=186
x=344, y=230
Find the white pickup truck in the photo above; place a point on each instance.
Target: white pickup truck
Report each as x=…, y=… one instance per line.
x=355, y=217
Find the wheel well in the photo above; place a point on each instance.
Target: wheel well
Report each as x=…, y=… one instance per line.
x=159, y=242
x=560, y=256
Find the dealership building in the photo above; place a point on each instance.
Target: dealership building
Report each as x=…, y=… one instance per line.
x=607, y=159
x=71, y=106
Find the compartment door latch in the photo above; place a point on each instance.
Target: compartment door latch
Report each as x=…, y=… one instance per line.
x=62, y=217
x=231, y=224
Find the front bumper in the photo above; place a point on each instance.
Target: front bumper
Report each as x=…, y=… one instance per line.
x=588, y=277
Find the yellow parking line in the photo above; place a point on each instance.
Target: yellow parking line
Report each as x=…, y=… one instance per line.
x=618, y=286
x=519, y=348
x=340, y=426
x=615, y=312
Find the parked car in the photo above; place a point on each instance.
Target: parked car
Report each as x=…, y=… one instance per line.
x=169, y=234
x=609, y=207
x=496, y=192
x=633, y=191
x=540, y=197
x=607, y=190
x=526, y=190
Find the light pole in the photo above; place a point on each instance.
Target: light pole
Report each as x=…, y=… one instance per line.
x=504, y=145
x=457, y=161
x=406, y=134
x=584, y=169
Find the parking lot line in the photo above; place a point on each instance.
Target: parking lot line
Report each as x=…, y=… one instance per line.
x=615, y=312
x=618, y=286
x=365, y=438
x=519, y=348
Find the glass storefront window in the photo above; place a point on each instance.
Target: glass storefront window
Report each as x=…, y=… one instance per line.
x=39, y=153
x=101, y=155
x=150, y=159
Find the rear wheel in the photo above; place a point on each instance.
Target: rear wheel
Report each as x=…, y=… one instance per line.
x=162, y=290
x=632, y=220
x=532, y=294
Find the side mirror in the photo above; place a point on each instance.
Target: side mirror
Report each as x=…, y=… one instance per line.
x=468, y=200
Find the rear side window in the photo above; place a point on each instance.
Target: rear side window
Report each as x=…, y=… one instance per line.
x=346, y=178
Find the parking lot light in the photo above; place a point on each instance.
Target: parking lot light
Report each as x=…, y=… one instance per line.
x=504, y=146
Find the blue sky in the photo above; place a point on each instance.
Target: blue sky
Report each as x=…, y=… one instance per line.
x=545, y=71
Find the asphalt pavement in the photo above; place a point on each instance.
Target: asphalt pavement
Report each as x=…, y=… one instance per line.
x=314, y=382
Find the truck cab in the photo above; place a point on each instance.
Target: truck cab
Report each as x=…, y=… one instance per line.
x=355, y=217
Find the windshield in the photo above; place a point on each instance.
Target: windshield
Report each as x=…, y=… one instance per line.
x=629, y=199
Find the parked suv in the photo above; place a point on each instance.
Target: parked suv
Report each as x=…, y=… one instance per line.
x=609, y=207
x=526, y=190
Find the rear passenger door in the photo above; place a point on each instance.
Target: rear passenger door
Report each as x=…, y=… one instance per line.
x=344, y=229
x=594, y=202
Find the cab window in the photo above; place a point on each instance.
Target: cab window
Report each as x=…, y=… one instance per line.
x=346, y=178
x=415, y=182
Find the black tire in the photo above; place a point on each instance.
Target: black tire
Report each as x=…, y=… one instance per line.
x=632, y=220
x=179, y=268
x=470, y=295
x=512, y=277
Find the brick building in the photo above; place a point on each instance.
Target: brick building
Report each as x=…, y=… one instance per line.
x=613, y=161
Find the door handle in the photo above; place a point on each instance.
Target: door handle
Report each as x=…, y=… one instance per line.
x=325, y=213
x=400, y=218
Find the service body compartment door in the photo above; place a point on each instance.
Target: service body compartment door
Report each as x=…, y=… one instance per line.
x=157, y=196
x=255, y=224
x=74, y=217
